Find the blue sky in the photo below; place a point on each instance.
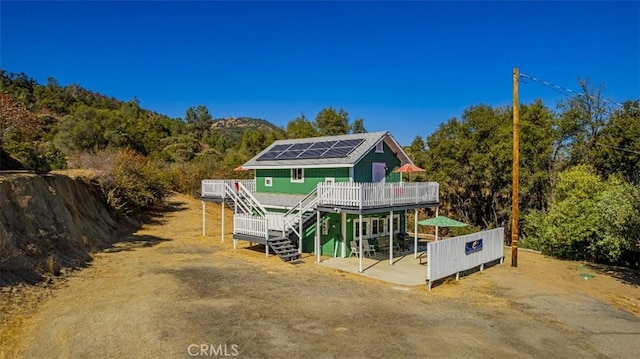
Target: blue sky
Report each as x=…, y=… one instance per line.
x=404, y=67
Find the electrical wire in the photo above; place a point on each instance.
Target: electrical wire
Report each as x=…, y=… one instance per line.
x=566, y=91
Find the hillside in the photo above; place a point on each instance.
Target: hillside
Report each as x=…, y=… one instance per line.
x=50, y=223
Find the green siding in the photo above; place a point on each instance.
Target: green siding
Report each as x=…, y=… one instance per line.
x=333, y=238
x=363, y=169
x=281, y=179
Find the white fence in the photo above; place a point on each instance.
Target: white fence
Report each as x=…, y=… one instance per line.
x=216, y=188
x=250, y=225
x=457, y=254
x=276, y=221
x=364, y=195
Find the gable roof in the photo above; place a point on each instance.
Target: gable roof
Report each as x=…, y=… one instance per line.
x=370, y=140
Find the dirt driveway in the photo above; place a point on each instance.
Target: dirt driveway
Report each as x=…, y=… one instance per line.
x=167, y=292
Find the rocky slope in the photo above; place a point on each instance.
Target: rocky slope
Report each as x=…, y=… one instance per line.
x=50, y=223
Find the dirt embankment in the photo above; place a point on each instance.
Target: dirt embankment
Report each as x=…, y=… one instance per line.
x=49, y=223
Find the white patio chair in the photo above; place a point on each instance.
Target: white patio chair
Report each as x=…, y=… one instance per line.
x=367, y=248
x=354, y=249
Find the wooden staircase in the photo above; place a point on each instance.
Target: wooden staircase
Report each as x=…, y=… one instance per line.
x=284, y=248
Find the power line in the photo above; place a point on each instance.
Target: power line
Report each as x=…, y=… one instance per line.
x=566, y=91
x=618, y=148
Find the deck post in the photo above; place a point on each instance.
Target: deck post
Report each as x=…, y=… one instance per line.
x=415, y=233
x=204, y=221
x=266, y=238
x=344, y=234
x=360, y=245
x=391, y=243
x=317, y=236
x=300, y=228
x=222, y=234
x=437, y=208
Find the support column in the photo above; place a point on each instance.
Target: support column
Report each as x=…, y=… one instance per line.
x=222, y=234
x=317, y=236
x=204, y=221
x=360, y=245
x=391, y=242
x=437, y=208
x=344, y=235
x=415, y=234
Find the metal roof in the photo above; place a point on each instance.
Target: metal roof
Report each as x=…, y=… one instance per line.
x=371, y=139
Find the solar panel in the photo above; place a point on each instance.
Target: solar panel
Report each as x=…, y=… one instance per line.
x=349, y=143
x=312, y=150
x=300, y=146
x=337, y=152
x=269, y=155
x=323, y=144
x=312, y=153
x=288, y=155
x=279, y=148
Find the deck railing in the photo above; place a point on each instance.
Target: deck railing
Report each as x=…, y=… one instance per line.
x=364, y=195
x=250, y=225
x=216, y=188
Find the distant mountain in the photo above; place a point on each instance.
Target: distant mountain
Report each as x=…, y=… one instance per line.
x=229, y=131
x=240, y=124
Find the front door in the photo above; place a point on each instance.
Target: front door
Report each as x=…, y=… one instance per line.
x=378, y=172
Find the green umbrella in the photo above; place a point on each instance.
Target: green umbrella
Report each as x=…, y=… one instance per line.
x=441, y=221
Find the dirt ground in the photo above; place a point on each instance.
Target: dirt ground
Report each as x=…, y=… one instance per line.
x=168, y=292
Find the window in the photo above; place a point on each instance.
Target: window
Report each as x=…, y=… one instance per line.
x=380, y=147
x=377, y=226
x=268, y=181
x=297, y=175
x=356, y=227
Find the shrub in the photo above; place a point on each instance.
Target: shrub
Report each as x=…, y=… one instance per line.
x=588, y=219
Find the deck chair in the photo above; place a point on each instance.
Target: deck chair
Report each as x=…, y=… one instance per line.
x=383, y=244
x=354, y=249
x=367, y=248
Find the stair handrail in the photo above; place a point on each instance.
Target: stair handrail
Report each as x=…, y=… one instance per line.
x=288, y=217
x=252, y=200
x=234, y=196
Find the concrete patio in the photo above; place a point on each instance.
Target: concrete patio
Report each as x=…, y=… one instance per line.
x=405, y=269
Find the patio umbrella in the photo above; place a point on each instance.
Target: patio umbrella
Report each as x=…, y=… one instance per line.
x=407, y=168
x=441, y=221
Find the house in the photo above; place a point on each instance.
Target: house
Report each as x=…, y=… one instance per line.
x=317, y=195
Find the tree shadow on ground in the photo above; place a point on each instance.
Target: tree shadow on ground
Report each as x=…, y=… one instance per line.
x=626, y=275
x=155, y=215
x=134, y=242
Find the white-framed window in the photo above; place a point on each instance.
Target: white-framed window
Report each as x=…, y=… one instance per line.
x=377, y=226
x=329, y=180
x=396, y=224
x=356, y=228
x=297, y=175
x=268, y=181
x=380, y=147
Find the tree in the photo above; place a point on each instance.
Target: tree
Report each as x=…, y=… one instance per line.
x=618, y=148
x=14, y=116
x=199, y=121
x=358, y=126
x=330, y=122
x=300, y=127
x=581, y=121
x=588, y=219
x=471, y=158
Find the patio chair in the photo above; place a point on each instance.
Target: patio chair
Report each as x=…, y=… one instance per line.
x=383, y=244
x=354, y=249
x=367, y=248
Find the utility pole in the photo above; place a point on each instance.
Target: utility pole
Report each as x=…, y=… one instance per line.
x=516, y=174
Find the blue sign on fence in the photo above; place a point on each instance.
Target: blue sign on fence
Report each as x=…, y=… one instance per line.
x=473, y=246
